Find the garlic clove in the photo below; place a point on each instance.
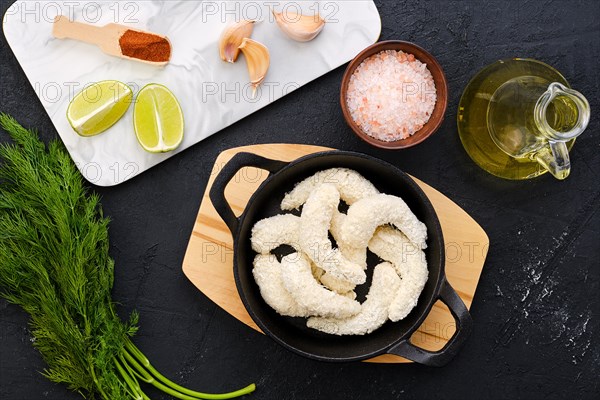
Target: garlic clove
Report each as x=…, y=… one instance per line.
x=302, y=28
x=257, y=60
x=232, y=38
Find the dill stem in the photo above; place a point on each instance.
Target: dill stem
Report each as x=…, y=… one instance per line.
x=135, y=368
x=139, y=370
x=140, y=361
x=133, y=387
x=98, y=386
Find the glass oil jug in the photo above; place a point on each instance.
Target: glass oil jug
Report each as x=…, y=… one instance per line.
x=518, y=118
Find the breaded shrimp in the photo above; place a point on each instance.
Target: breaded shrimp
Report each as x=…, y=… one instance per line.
x=340, y=287
x=313, y=236
x=337, y=285
x=356, y=255
x=374, y=311
x=351, y=185
x=409, y=262
x=367, y=214
x=309, y=294
x=267, y=274
x=270, y=233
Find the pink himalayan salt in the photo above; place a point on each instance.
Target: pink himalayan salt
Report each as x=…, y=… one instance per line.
x=391, y=95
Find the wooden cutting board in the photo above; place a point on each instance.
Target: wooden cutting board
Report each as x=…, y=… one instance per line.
x=208, y=262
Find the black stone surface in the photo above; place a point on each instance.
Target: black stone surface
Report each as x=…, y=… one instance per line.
x=537, y=306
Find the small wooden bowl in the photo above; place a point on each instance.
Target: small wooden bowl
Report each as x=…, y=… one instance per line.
x=439, y=80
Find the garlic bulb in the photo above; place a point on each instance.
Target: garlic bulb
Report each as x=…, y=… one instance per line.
x=232, y=38
x=257, y=60
x=302, y=28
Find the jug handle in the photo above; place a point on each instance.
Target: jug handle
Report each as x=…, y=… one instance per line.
x=555, y=159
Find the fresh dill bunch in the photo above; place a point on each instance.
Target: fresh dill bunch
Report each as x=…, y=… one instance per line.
x=55, y=264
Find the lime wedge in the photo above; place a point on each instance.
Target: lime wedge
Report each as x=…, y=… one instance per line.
x=158, y=119
x=98, y=107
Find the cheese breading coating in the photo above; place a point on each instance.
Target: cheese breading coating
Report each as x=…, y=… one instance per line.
x=309, y=294
x=337, y=285
x=267, y=274
x=314, y=240
x=356, y=255
x=351, y=185
x=270, y=233
x=374, y=311
x=410, y=263
x=367, y=214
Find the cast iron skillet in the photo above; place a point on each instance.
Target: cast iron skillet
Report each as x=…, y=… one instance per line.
x=292, y=333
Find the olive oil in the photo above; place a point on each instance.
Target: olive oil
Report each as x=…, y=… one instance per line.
x=501, y=98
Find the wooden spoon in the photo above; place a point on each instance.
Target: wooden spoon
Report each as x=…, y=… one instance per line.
x=106, y=37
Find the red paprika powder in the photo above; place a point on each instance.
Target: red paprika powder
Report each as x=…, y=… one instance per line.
x=145, y=46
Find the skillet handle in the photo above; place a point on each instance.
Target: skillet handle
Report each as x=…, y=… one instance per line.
x=239, y=161
x=464, y=325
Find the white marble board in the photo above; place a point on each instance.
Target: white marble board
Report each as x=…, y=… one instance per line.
x=213, y=94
